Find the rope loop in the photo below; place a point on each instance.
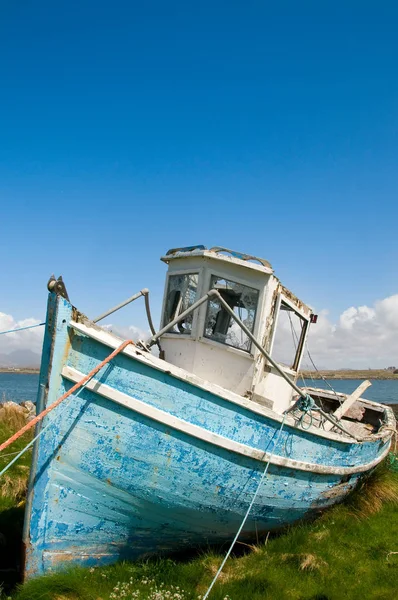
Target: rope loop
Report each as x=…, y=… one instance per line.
x=306, y=406
x=301, y=421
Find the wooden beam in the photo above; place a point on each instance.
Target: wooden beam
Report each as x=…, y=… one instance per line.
x=348, y=402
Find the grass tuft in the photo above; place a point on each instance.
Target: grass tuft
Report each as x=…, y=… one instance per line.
x=14, y=487
x=374, y=491
x=14, y=482
x=12, y=417
x=305, y=562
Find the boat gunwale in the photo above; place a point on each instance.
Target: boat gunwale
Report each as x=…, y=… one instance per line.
x=111, y=340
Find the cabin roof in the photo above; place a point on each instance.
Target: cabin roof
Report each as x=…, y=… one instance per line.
x=219, y=253
x=231, y=256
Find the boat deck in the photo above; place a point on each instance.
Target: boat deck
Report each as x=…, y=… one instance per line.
x=365, y=418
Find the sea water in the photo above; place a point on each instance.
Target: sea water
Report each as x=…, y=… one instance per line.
x=381, y=390
x=18, y=387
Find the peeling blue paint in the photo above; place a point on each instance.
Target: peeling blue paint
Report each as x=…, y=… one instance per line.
x=109, y=483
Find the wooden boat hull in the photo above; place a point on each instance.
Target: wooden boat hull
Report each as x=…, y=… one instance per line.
x=144, y=461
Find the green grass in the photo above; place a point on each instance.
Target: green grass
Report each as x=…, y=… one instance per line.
x=338, y=556
x=351, y=374
x=13, y=486
x=347, y=553
x=13, y=482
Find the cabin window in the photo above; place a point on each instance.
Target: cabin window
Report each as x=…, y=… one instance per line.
x=219, y=325
x=289, y=337
x=181, y=294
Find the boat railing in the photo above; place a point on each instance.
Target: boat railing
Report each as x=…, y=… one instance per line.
x=143, y=292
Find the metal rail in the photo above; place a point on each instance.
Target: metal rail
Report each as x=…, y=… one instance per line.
x=143, y=292
x=148, y=313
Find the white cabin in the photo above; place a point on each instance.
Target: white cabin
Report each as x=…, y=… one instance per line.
x=210, y=344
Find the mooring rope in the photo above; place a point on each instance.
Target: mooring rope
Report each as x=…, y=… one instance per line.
x=21, y=328
x=80, y=383
x=30, y=444
x=246, y=515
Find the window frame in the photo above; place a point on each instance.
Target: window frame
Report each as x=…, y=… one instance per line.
x=192, y=334
x=241, y=281
x=303, y=336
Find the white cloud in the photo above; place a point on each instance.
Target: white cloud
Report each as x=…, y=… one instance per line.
x=355, y=316
x=31, y=339
x=364, y=336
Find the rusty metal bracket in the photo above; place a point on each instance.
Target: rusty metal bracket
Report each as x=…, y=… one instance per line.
x=57, y=286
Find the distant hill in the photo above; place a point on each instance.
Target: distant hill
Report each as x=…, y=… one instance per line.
x=20, y=358
x=351, y=374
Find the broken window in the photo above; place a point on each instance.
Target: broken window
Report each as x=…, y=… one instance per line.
x=219, y=325
x=181, y=294
x=289, y=336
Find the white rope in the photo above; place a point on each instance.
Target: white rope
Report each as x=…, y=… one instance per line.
x=246, y=515
x=21, y=328
x=10, y=454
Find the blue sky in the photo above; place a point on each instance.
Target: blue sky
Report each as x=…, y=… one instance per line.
x=128, y=128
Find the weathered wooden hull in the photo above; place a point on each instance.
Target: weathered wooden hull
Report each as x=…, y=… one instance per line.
x=143, y=461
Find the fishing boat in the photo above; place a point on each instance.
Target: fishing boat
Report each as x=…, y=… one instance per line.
x=179, y=440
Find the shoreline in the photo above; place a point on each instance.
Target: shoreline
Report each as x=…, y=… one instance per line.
x=21, y=371
x=379, y=374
